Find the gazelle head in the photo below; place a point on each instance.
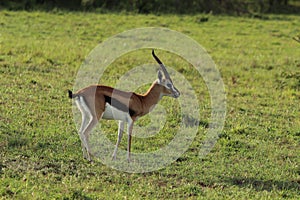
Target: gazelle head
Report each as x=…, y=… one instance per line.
x=165, y=80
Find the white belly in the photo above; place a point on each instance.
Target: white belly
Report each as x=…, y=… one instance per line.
x=114, y=113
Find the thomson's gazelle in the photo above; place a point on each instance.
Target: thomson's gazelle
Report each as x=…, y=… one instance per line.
x=103, y=102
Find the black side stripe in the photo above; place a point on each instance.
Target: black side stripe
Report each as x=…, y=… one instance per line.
x=117, y=104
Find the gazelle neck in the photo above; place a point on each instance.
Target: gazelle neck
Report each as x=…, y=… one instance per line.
x=152, y=96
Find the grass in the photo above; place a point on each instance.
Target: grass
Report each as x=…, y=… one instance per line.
x=256, y=157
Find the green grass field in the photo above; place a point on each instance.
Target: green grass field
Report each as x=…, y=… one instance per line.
x=256, y=157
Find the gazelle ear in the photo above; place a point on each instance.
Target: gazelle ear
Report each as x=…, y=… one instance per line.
x=160, y=75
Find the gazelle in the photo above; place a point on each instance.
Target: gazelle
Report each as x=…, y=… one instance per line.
x=103, y=102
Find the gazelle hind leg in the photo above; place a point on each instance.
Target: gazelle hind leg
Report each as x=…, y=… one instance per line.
x=85, y=127
x=82, y=139
x=85, y=136
x=120, y=134
x=85, y=117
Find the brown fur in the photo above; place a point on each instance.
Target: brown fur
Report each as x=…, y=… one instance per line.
x=140, y=103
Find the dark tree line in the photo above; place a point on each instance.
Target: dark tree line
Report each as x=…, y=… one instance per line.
x=151, y=6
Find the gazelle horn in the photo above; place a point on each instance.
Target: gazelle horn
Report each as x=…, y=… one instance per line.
x=162, y=66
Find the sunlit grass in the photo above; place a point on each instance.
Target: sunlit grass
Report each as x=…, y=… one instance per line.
x=256, y=157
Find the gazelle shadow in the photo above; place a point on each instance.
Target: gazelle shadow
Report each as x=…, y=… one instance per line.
x=267, y=185
x=190, y=121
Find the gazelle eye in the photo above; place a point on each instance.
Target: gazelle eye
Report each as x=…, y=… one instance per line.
x=169, y=85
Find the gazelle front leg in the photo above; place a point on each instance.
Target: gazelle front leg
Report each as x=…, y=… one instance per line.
x=120, y=134
x=129, y=131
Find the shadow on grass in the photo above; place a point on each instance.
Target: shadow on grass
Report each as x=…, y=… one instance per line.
x=190, y=121
x=166, y=8
x=285, y=10
x=264, y=185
